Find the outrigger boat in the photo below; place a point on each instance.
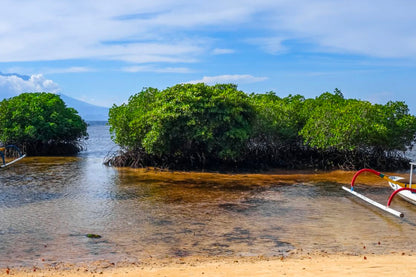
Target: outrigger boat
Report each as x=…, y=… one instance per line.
x=407, y=191
x=3, y=153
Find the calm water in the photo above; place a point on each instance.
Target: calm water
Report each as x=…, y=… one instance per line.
x=48, y=205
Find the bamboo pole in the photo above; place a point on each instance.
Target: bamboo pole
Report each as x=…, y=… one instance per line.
x=372, y=202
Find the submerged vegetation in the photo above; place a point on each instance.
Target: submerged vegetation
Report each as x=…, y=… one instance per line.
x=41, y=124
x=196, y=126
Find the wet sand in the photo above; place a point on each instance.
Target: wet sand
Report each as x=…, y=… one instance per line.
x=395, y=264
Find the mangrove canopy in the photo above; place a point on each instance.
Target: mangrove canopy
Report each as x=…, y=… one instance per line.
x=41, y=124
x=196, y=126
x=192, y=125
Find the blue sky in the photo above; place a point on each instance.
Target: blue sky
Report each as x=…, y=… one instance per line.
x=104, y=51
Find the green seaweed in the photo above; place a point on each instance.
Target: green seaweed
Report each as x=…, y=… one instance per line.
x=93, y=236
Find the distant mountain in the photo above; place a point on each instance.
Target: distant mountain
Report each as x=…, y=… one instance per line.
x=87, y=111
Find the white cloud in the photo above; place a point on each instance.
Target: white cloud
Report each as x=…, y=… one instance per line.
x=48, y=30
x=173, y=31
x=12, y=85
x=271, y=45
x=380, y=29
x=239, y=79
x=73, y=69
x=148, y=68
x=222, y=51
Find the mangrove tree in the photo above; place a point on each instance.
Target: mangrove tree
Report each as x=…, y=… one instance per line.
x=41, y=124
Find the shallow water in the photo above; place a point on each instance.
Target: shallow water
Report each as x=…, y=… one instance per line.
x=49, y=204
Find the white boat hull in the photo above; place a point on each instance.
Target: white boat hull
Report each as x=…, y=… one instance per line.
x=405, y=194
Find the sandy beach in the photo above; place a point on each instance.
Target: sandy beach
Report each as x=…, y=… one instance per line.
x=394, y=264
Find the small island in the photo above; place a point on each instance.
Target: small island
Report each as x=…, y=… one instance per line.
x=202, y=127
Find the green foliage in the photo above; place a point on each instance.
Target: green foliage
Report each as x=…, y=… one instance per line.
x=129, y=123
x=39, y=118
x=278, y=120
x=208, y=122
x=188, y=122
x=349, y=124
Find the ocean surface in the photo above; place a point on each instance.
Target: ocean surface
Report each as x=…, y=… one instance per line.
x=48, y=205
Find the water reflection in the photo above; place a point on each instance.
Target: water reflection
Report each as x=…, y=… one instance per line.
x=48, y=204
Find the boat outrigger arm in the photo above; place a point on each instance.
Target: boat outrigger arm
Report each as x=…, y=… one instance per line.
x=399, y=188
x=2, y=153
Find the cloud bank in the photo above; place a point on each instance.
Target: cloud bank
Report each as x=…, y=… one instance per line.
x=182, y=30
x=12, y=84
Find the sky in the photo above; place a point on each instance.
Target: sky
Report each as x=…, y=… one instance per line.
x=104, y=51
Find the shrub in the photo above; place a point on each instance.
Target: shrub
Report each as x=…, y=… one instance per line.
x=41, y=124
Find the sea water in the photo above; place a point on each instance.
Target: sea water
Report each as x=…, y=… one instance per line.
x=48, y=205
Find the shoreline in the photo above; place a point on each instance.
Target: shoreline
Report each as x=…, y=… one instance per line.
x=317, y=264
